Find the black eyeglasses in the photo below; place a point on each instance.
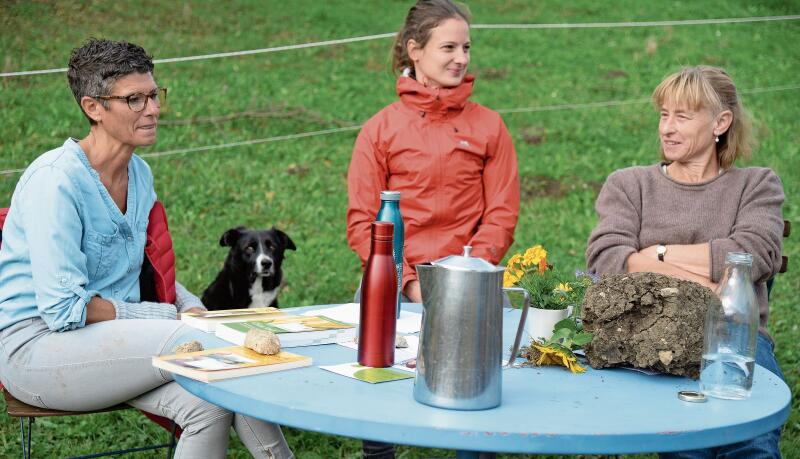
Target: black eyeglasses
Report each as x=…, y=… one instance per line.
x=138, y=101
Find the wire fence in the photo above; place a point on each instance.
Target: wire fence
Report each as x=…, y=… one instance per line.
x=341, y=41
x=300, y=135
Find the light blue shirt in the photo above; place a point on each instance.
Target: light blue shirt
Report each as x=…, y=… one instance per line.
x=65, y=240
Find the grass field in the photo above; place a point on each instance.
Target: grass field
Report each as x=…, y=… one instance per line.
x=299, y=185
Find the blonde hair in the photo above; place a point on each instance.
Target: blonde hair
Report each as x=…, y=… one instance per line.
x=421, y=19
x=704, y=87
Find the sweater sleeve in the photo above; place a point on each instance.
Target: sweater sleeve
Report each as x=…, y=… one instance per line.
x=184, y=299
x=495, y=234
x=616, y=235
x=366, y=177
x=758, y=228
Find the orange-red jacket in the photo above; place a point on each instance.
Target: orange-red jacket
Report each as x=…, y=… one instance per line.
x=455, y=166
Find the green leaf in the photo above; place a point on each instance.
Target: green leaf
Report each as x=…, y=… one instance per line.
x=561, y=333
x=582, y=338
x=566, y=323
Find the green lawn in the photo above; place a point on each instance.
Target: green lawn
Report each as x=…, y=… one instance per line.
x=299, y=185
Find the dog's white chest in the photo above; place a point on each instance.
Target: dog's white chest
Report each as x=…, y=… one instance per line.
x=260, y=298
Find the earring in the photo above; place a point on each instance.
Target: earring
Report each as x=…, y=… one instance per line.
x=716, y=139
x=407, y=71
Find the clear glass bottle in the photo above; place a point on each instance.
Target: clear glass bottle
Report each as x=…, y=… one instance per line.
x=731, y=331
x=390, y=212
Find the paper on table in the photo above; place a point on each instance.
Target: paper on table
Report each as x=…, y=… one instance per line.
x=401, y=354
x=582, y=353
x=369, y=374
x=409, y=322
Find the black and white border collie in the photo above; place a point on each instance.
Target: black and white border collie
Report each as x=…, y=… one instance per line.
x=251, y=276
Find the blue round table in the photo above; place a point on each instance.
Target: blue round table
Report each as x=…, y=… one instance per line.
x=544, y=410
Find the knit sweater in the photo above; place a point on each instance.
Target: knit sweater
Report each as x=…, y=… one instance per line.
x=737, y=211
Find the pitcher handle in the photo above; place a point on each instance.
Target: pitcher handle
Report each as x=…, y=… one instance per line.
x=522, y=321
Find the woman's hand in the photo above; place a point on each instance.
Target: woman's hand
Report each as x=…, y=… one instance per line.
x=194, y=310
x=694, y=258
x=99, y=310
x=644, y=262
x=413, y=291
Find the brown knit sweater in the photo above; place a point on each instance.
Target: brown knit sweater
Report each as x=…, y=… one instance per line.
x=737, y=211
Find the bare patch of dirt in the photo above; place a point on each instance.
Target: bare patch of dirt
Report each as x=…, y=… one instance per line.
x=491, y=73
x=615, y=74
x=540, y=186
x=297, y=169
x=378, y=65
x=533, y=135
x=713, y=60
x=273, y=111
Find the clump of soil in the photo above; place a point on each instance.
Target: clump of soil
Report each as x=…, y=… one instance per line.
x=647, y=320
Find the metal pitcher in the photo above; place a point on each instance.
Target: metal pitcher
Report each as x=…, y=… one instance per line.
x=461, y=342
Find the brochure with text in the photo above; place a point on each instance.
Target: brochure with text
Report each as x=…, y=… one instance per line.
x=208, y=320
x=227, y=362
x=292, y=330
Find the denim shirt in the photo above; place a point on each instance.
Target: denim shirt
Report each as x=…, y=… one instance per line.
x=66, y=241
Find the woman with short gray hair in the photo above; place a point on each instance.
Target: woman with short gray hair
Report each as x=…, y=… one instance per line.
x=75, y=334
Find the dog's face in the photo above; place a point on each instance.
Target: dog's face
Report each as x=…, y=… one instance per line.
x=256, y=253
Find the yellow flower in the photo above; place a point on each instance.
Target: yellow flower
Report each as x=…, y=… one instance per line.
x=564, y=287
x=550, y=355
x=534, y=256
x=542, y=265
x=514, y=261
x=514, y=271
x=510, y=278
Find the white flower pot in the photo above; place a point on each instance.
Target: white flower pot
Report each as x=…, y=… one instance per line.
x=541, y=322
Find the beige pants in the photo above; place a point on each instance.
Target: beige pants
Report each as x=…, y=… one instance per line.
x=108, y=363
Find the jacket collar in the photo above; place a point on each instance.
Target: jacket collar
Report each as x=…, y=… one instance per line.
x=435, y=101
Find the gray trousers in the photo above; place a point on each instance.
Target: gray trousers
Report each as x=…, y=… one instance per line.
x=108, y=363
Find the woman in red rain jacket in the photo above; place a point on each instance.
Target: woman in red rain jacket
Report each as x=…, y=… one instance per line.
x=452, y=160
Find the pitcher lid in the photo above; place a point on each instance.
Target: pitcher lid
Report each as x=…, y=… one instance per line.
x=466, y=262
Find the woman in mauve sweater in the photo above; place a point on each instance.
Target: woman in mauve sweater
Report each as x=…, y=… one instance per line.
x=682, y=216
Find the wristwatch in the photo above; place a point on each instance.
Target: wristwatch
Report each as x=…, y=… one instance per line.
x=661, y=249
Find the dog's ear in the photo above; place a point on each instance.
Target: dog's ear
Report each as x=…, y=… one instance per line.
x=287, y=241
x=230, y=237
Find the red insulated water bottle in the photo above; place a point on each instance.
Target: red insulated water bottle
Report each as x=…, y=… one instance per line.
x=378, y=301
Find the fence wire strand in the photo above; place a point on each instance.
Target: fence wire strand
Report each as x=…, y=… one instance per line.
x=300, y=135
x=578, y=25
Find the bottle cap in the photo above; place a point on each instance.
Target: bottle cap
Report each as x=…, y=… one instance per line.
x=390, y=195
x=692, y=396
x=382, y=231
